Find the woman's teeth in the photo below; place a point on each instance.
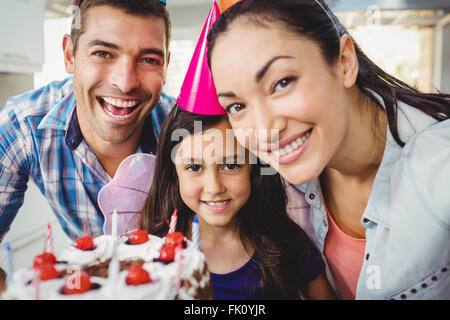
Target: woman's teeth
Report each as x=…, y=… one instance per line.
x=292, y=146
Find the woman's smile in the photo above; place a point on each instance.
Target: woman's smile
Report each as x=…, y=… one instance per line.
x=291, y=148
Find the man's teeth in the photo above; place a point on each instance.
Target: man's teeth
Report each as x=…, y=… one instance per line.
x=216, y=203
x=121, y=103
x=292, y=146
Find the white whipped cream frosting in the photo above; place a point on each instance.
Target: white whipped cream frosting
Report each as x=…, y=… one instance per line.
x=146, y=251
x=103, y=251
x=114, y=287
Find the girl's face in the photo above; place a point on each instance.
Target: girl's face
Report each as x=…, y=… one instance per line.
x=278, y=90
x=213, y=182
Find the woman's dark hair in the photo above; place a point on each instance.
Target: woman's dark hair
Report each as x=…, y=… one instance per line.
x=317, y=22
x=280, y=246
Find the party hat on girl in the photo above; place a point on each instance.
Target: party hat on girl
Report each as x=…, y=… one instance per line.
x=225, y=4
x=198, y=93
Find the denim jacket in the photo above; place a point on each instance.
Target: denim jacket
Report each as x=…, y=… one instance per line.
x=407, y=217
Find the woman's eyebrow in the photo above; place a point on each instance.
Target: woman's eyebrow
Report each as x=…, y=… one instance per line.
x=226, y=95
x=260, y=74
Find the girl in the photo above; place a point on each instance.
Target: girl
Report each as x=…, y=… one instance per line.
x=252, y=248
x=369, y=153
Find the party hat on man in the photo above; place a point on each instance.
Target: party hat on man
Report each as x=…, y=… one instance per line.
x=198, y=93
x=225, y=4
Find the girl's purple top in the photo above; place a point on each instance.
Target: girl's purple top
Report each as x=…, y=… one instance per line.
x=243, y=283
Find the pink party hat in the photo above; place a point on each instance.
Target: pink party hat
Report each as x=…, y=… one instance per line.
x=198, y=93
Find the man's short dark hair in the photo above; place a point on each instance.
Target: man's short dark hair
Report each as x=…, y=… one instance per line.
x=145, y=8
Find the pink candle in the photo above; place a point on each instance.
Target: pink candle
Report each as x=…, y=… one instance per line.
x=49, y=242
x=173, y=221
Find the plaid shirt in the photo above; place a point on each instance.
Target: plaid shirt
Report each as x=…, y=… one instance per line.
x=40, y=138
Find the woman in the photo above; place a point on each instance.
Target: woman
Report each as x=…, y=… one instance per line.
x=370, y=153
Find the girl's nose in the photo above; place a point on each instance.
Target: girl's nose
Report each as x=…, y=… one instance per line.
x=212, y=184
x=124, y=75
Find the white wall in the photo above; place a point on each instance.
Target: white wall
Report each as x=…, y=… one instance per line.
x=13, y=84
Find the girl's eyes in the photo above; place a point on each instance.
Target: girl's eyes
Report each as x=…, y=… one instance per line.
x=194, y=168
x=283, y=83
x=230, y=167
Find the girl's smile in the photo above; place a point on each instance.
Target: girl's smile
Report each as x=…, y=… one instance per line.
x=217, y=206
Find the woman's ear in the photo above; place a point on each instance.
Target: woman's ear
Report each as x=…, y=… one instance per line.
x=69, y=58
x=348, y=61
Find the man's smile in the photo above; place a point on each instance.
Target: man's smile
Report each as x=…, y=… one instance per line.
x=119, y=108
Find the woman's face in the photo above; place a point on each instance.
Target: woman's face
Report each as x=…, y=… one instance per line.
x=285, y=103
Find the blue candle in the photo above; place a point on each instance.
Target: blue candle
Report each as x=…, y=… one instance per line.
x=10, y=265
x=195, y=233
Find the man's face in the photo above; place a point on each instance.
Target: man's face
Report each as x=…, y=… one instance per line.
x=119, y=70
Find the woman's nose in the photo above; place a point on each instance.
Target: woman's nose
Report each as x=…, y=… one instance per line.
x=269, y=122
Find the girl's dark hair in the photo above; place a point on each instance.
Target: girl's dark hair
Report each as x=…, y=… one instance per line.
x=317, y=22
x=279, y=244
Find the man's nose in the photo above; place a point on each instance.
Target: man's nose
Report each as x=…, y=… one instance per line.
x=125, y=76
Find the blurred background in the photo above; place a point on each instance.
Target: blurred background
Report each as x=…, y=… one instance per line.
x=409, y=39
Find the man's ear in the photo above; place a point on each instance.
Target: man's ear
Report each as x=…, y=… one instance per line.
x=69, y=58
x=348, y=61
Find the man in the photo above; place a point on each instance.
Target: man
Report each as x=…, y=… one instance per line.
x=71, y=136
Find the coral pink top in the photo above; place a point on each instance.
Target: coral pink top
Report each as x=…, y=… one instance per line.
x=345, y=256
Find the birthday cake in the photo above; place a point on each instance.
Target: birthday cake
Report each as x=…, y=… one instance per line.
x=132, y=266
